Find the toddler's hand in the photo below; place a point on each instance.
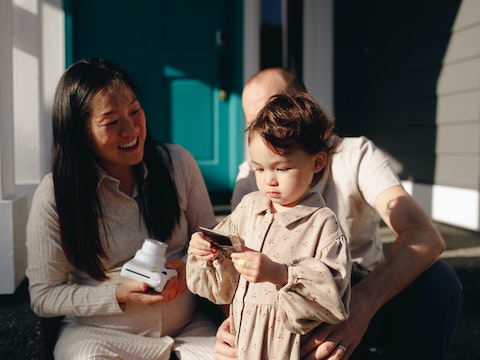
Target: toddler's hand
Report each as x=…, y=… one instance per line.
x=201, y=248
x=256, y=267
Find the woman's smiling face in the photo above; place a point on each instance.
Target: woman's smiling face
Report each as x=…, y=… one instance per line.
x=117, y=129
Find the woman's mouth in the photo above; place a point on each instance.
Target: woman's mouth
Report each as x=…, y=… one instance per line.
x=128, y=146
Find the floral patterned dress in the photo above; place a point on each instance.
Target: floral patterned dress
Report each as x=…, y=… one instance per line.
x=268, y=322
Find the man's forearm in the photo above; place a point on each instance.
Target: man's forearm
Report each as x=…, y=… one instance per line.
x=417, y=246
x=408, y=258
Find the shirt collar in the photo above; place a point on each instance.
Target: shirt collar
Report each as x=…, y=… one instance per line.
x=305, y=208
x=103, y=177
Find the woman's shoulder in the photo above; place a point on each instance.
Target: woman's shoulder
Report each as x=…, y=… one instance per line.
x=45, y=187
x=177, y=152
x=183, y=164
x=44, y=195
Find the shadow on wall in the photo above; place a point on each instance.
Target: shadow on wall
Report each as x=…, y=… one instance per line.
x=388, y=58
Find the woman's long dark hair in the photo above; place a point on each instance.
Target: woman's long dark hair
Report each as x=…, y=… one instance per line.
x=75, y=174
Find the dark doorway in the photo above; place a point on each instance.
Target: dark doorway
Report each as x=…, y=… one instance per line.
x=281, y=34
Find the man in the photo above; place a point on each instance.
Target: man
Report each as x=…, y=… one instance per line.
x=403, y=306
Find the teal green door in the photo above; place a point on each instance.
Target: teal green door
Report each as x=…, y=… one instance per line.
x=184, y=55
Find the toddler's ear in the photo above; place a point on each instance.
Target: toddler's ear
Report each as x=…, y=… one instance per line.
x=320, y=161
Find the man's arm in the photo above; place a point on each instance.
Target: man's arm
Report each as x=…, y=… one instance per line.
x=417, y=246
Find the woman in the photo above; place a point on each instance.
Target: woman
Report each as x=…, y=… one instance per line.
x=111, y=187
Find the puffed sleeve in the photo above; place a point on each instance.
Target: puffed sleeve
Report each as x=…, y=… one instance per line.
x=318, y=288
x=214, y=280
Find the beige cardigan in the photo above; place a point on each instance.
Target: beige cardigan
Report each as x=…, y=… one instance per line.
x=56, y=288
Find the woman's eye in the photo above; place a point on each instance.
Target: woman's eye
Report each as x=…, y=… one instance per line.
x=110, y=123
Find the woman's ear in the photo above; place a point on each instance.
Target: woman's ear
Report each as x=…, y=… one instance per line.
x=320, y=161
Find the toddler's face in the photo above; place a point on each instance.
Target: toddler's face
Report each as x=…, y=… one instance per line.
x=284, y=179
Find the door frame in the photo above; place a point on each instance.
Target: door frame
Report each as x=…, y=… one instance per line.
x=318, y=47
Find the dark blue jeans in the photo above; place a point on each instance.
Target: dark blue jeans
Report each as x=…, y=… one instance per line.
x=418, y=323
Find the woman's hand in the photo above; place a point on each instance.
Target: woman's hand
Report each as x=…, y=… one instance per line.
x=257, y=267
x=137, y=291
x=225, y=346
x=201, y=248
x=177, y=285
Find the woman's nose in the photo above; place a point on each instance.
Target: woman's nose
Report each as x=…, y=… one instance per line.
x=128, y=126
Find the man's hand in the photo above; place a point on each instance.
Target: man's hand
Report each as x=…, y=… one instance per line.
x=324, y=341
x=225, y=347
x=416, y=248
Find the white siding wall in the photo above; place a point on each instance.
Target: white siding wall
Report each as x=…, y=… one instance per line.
x=32, y=53
x=408, y=77
x=457, y=172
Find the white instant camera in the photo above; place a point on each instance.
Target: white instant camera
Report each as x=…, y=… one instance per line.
x=148, y=265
